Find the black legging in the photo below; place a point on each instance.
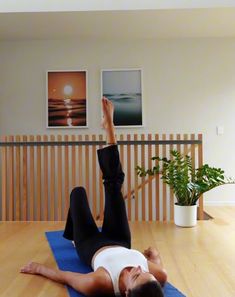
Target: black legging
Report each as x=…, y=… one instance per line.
x=80, y=225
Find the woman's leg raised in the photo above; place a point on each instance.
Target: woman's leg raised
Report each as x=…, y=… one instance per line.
x=115, y=224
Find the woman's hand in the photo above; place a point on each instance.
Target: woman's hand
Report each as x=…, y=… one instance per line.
x=32, y=268
x=151, y=254
x=86, y=283
x=36, y=268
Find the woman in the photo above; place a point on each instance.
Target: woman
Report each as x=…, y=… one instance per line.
x=117, y=269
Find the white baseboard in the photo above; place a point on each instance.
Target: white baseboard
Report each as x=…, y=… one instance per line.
x=219, y=203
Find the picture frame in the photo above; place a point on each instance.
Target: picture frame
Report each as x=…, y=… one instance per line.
x=124, y=88
x=67, y=98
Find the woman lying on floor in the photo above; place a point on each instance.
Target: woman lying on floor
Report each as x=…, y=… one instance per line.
x=117, y=269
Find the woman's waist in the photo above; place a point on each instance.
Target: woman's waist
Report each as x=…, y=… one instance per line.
x=90, y=248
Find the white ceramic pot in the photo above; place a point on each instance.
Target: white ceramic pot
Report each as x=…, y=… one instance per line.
x=185, y=216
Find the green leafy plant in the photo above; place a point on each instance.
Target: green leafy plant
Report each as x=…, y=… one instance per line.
x=187, y=183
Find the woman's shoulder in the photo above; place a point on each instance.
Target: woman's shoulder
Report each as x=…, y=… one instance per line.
x=102, y=274
x=103, y=280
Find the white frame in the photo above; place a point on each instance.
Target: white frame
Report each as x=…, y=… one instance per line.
x=141, y=85
x=67, y=127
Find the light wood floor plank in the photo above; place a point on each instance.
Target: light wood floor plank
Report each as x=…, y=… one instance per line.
x=200, y=261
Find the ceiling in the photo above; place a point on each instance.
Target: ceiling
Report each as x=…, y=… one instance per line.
x=145, y=24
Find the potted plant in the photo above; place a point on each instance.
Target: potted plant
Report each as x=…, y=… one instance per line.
x=187, y=183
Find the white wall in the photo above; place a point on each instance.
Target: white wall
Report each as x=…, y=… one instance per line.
x=96, y=5
x=189, y=87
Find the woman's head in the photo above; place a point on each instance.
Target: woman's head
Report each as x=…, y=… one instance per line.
x=141, y=284
x=150, y=289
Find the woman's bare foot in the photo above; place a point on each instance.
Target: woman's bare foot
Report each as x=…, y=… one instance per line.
x=107, y=123
x=108, y=110
x=32, y=268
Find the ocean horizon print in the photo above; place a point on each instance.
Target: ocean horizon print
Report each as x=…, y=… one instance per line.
x=66, y=112
x=127, y=108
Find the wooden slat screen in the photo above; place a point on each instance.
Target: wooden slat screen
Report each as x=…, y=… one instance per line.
x=39, y=172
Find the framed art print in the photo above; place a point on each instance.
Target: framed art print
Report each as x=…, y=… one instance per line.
x=67, y=99
x=124, y=88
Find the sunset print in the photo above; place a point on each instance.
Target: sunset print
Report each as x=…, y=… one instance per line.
x=67, y=99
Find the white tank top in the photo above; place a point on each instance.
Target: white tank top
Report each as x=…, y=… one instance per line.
x=115, y=259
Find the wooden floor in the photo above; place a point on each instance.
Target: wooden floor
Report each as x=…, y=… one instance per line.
x=200, y=261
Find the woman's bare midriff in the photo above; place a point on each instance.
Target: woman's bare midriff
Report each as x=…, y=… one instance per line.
x=100, y=250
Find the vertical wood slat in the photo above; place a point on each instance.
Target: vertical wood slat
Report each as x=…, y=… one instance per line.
x=11, y=181
x=150, y=188
x=121, y=148
x=178, y=137
x=25, y=179
x=74, y=171
x=45, y=178
x=171, y=191
x=66, y=177
x=192, y=151
x=200, y=163
x=136, y=179
x=157, y=181
x=4, y=180
x=101, y=206
x=143, y=178
x=59, y=179
x=18, y=207
x=185, y=145
x=87, y=162
x=94, y=198
x=38, y=204
x=31, y=181
x=52, y=179
x=129, y=177
x=164, y=197
x=80, y=164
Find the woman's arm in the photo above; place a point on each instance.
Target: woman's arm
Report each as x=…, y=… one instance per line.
x=159, y=273
x=86, y=284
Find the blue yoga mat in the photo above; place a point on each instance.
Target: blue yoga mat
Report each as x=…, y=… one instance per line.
x=67, y=259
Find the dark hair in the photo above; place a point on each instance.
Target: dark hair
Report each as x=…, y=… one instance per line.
x=150, y=289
